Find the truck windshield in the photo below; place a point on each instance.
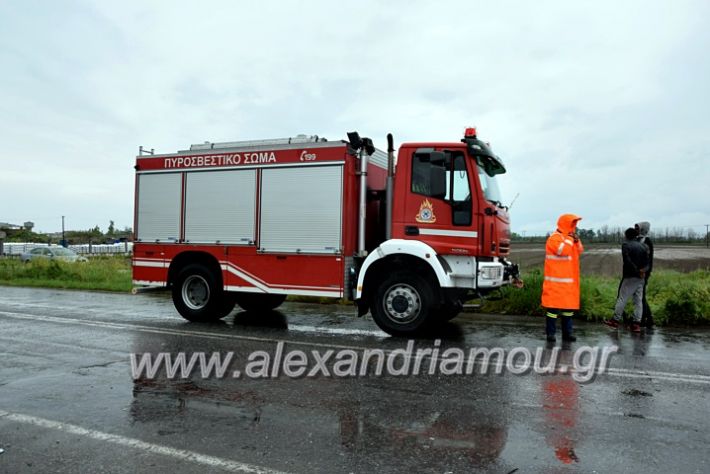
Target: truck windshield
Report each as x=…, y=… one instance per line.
x=489, y=186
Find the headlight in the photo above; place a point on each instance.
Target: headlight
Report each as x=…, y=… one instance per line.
x=491, y=273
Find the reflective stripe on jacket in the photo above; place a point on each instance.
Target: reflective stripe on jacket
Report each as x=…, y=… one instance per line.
x=560, y=288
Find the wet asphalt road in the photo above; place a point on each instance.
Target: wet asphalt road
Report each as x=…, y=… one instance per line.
x=68, y=401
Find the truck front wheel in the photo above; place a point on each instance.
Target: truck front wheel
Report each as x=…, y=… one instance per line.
x=402, y=304
x=198, y=295
x=258, y=301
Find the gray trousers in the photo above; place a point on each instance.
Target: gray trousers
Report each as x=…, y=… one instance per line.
x=629, y=287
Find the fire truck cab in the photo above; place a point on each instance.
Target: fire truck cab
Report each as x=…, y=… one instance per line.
x=248, y=223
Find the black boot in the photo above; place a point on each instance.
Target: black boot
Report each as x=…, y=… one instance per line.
x=567, y=329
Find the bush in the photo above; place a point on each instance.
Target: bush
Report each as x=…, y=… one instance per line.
x=681, y=298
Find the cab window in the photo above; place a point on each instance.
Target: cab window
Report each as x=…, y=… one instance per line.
x=444, y=175
x=427, y=174
x=458, y=191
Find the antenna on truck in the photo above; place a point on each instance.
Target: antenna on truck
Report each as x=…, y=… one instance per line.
x=513, y=201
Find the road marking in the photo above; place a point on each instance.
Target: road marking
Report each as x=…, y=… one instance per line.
x=172, y=332
x=170, y=310
x=338, y=331
x=181, y=454
x=292, y=327
x=619, y=372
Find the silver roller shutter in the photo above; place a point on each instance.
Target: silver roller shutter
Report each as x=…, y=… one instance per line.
x=159, y=207
x=220, y=206
x=301, y=209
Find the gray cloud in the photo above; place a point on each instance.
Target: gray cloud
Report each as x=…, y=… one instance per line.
x=599, y=109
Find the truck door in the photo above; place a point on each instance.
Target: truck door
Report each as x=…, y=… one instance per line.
x=439, y=208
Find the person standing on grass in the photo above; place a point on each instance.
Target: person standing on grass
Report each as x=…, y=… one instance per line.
x=643, y=228
x=560, y=288
x=635, y=256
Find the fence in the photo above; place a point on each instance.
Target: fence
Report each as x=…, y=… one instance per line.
x=122, y=248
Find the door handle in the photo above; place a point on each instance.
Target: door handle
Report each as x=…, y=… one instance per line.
x=411, y=230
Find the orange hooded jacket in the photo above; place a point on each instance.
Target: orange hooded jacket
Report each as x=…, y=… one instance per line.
x=560, y=289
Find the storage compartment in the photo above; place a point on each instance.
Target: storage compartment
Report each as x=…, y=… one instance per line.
x=159, y=207
x=301, y=209
x=220, y=206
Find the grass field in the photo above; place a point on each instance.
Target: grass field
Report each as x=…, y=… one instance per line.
x=605, y=259
x=99, y=273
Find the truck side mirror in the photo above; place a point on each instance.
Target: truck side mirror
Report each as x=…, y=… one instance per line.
x=437, y=180
x=437, y=158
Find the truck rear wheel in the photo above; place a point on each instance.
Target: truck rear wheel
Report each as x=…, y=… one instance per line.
x=198, y=295
x=402, y=304
x=258, y=301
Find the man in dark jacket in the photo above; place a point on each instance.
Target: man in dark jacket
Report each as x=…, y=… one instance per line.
x=635, y=255
x=643, y=228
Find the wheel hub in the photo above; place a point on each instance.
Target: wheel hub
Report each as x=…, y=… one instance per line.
x=195, y=292
x=402, y=303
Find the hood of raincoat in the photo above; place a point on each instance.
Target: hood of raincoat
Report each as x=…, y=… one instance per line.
x=644, y=228
x=567, y=223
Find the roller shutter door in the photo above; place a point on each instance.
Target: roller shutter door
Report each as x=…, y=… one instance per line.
x=220, y=206
x=301, y=209
x=159, y=207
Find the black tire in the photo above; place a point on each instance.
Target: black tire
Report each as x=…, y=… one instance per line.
x=198, y=295
x=403, y=304
x=258, y=301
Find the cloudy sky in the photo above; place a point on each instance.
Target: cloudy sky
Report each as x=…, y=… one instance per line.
x=600, y=108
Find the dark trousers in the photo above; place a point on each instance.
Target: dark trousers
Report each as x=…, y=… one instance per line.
x=553, y=314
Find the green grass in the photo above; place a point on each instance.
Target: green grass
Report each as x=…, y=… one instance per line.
x=99, y=273
x=674, y=297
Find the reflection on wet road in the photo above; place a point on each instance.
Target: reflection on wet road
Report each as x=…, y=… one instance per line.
x=68, y=402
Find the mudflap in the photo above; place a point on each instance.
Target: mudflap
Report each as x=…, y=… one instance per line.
x=362, y=307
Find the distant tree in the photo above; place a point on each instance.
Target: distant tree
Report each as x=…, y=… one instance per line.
x=586, y=235
x=25, y=235
x=111, y=229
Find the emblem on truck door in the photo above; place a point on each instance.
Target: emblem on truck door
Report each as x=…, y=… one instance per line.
x=426, y=213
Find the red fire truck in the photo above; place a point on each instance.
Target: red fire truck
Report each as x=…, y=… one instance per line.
x=248, y=223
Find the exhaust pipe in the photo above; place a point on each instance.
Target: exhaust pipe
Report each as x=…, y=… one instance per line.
x=362, y=252
x=390, y=184
x=366, y=148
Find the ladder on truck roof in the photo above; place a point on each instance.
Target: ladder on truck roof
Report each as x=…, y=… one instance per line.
x=258, y=143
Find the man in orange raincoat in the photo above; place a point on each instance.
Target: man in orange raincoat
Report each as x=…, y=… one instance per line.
x=560, y=289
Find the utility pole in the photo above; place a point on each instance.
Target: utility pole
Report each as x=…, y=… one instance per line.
x=64, y=241
x=707, y=235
